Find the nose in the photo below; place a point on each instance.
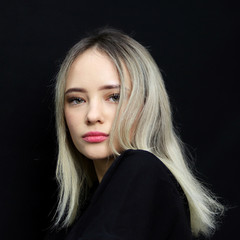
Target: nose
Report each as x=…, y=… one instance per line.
x=94, y=113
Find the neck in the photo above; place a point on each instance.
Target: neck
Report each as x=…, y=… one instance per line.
x=101, y=166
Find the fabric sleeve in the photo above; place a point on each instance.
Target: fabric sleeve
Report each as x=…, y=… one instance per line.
x=140, y=202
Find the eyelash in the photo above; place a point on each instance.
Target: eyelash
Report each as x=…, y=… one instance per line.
x=115, y=97
x=77, y=100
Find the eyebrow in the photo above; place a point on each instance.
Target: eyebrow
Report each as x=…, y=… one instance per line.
x=83, y=90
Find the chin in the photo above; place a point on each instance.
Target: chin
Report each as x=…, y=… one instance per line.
x=96, y=152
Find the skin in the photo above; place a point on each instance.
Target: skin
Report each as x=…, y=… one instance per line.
x=91, y=100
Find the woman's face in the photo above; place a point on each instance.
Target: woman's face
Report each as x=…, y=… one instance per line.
x=91, y=100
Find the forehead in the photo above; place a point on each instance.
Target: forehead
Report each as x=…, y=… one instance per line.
x=95, y=67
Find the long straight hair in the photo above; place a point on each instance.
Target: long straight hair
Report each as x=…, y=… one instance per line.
x=148, y=112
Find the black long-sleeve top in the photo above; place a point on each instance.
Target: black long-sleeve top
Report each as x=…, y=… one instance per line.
x=138, y=198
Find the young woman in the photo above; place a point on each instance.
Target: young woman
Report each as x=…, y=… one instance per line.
x=121, y=168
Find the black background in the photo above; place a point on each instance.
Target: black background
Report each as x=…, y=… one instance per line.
x=194, y=42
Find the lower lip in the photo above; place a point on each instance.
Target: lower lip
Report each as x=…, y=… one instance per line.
x=95, y=139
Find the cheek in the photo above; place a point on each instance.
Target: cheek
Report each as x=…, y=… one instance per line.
x=72, y=121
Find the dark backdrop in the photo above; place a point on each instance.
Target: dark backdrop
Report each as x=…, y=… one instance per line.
x=196, y=45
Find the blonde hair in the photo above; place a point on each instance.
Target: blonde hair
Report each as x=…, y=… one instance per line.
x=147, y=112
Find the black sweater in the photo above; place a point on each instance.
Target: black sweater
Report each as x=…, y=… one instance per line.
x=138, y=198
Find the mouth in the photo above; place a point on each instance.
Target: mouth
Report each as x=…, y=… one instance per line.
x=95, y=137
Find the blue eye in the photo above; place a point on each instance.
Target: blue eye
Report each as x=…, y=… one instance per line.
x=114, y=97
x=76, y=100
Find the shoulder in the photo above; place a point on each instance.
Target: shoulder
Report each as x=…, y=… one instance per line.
x=140, y=157
x=144, y=163
x=141, y=176
x=139, y=169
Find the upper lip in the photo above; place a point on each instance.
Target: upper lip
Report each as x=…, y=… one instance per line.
x=94, y=134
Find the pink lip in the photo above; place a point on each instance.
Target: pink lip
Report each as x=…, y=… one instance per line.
x=95, y=137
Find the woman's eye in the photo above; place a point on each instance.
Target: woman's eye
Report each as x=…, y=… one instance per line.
x=76, y=100
x=114, y=97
